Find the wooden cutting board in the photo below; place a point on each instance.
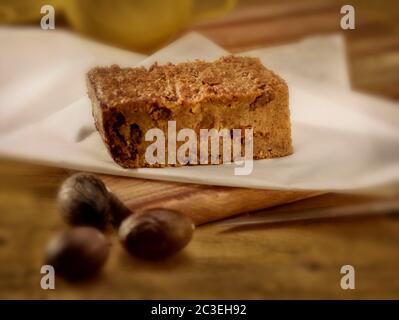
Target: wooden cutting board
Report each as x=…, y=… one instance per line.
x=202, y=203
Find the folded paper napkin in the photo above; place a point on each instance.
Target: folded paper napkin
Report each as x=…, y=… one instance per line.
x=343, y=141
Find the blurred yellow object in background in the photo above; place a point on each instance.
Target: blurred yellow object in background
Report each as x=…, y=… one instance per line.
x=139, y=24
x=16, y=11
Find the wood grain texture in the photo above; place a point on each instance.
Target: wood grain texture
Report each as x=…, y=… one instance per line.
x=300, y=260
x=202, y=203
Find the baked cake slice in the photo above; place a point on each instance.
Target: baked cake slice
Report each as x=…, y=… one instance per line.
x=229, y=93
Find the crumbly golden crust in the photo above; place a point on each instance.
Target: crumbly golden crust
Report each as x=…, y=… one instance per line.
x=232, y=92
x=182, y=84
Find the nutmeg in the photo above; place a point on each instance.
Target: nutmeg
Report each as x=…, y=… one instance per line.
x=78, y=253
x=156, y=233
x=83, y=199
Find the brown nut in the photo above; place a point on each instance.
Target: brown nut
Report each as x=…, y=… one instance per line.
x=156, y=233
x=78, y=253
x=118, y=210
x=83, y=199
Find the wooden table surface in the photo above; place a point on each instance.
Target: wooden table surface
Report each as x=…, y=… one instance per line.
x=300, y=260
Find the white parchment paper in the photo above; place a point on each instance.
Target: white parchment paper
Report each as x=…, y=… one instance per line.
x=342, y=140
